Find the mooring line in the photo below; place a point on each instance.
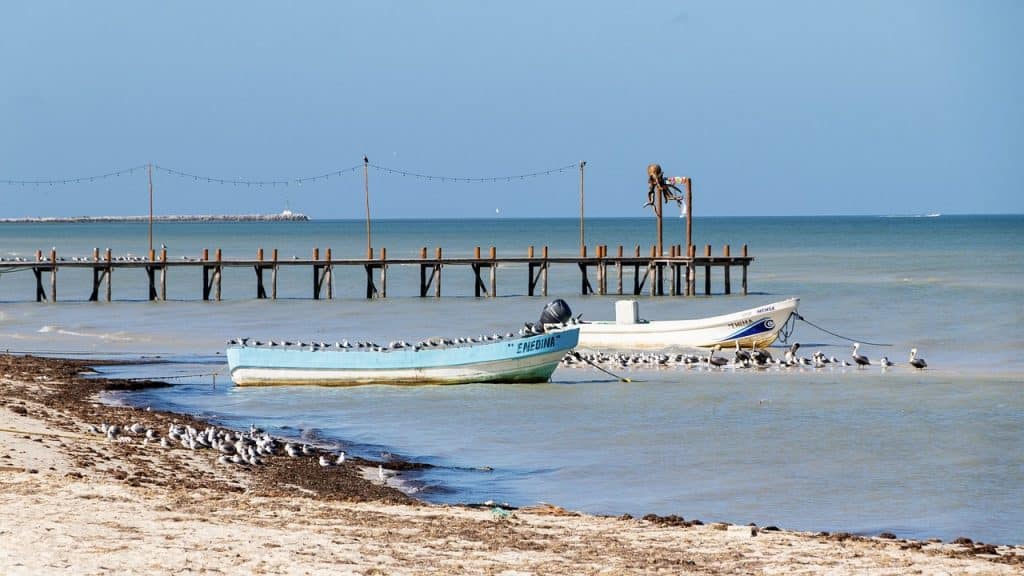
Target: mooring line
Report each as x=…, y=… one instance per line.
x=579, y=356
x=799, y=317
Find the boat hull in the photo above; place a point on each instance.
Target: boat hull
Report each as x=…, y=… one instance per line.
x=521, y=360
x=753, y=328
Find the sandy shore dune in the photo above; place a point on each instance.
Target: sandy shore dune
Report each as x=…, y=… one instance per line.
x=72, y=501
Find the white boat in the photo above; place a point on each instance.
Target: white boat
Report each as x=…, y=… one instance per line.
x=517, y=359
x=753, y=328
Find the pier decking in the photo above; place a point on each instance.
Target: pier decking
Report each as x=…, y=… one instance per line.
x=674, y=274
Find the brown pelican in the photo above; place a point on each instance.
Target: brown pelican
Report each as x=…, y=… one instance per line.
x=916, y=362
x=716, y=360
x=859, y=359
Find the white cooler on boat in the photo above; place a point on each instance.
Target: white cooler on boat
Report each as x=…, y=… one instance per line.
x=627, y=312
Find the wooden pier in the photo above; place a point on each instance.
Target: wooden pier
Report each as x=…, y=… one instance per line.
x=674, y=274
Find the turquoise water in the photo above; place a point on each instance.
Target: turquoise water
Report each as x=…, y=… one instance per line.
x=938, y=453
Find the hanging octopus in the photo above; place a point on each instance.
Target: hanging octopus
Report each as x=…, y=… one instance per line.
x=655, y=181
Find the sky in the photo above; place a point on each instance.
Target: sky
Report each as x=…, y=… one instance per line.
x=772, y=108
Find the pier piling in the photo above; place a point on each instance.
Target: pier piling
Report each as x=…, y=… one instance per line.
x=650, y=271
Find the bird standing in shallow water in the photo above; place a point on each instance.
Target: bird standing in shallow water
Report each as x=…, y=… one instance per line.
x=916, y=362
x=859, y=359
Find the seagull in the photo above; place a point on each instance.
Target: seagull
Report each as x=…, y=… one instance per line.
x=916, y=362
x=884, y=362
x=340, y=460
x=325, y=462
x=380, y=474
x=859, y=359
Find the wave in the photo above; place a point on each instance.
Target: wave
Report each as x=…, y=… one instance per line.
x=115, y=337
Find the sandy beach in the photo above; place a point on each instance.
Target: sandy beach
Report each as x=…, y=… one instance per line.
x=76, y=501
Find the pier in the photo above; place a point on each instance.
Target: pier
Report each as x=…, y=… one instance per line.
x=599, y=271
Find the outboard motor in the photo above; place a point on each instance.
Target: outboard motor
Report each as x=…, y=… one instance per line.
x=555, y=312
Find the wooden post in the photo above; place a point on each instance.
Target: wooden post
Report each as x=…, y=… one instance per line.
x=672, y=272
x=151, y=274
x=691, y=271
x=652, y=267
x=584, y=283
x=636, y=271
x=544, y=272
x=657, y=214
x=110, y=272
x=96, y=275
x=478, y=283
x=216, y=275
x=383, y=273
x=494, y=270
x=423, y=273
x=689, y=214
x=316, y=274
x=618, y=269
x=728, y=284
x=163, y=273
x=273, y=277
x=437, y=279
x=707, y=270
x=329, y=276
x=260, y=291
x=745, y=270
x=530, y=265
x=600, y=270
x=53, y=274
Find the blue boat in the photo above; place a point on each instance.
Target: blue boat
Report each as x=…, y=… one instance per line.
x=531, y=357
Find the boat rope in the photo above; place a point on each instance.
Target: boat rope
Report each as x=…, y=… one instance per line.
x=787, y=328
x=799, y=317
x=579, y=356
x=159, y=378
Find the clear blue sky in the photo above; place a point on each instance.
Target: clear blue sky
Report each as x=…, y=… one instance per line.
x=774, y=108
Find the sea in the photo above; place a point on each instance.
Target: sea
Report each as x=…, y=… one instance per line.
x=937, y=453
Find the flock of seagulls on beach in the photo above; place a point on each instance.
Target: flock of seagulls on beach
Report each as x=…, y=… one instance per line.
x=234, y=448
x=756, y=358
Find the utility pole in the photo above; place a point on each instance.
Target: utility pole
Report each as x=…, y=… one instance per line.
x=583, y=242
x=149, y=170
x=366, y=190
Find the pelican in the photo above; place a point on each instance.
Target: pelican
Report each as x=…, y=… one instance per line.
x=916, y=362
x=859, y=359
x=716, y=360
x=742, y=357
x=791, y=358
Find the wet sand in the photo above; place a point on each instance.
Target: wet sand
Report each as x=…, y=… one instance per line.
x=74, y=501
